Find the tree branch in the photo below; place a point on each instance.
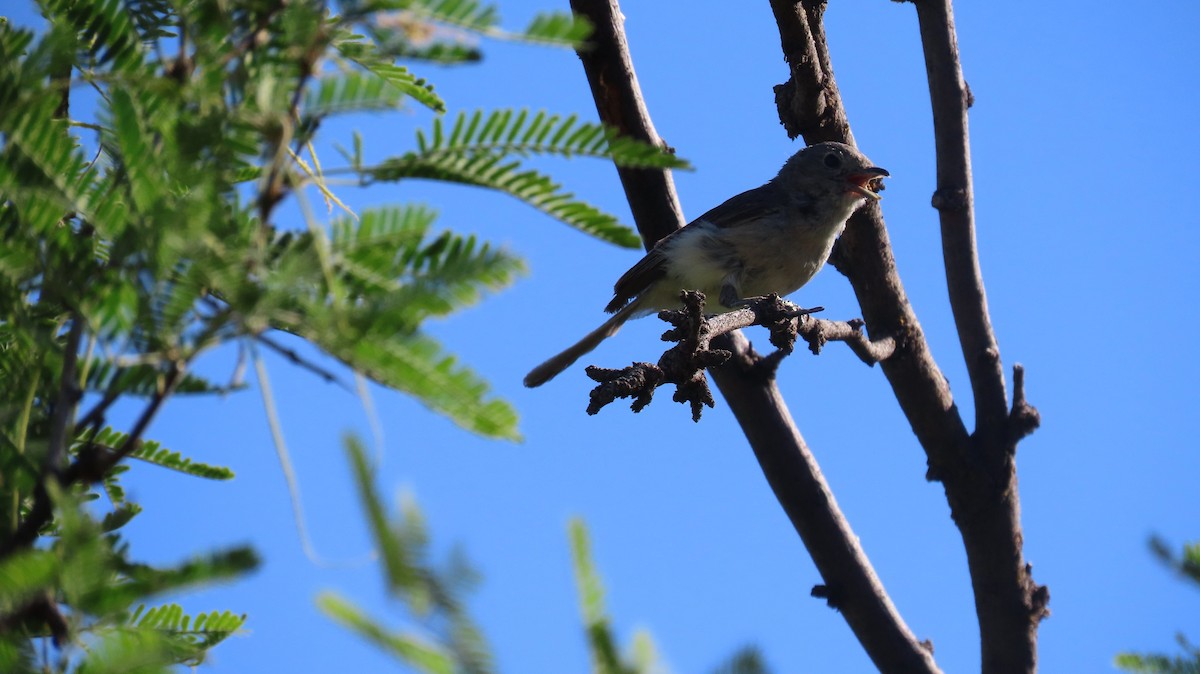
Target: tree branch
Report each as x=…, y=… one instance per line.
x=954, y=201
x=296, y=359
x=784, y=457
x=684, y=364
x=978, y=472
x=89, y=466
x=609, y=69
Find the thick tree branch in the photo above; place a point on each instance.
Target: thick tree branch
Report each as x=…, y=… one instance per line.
x=785, y=459
x=978, y=471
x=609, y=69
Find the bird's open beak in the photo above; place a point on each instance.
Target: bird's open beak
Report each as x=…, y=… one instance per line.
x=867, y=182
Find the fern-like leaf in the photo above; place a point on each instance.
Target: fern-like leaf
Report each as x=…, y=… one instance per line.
x=354, y=91
x=190, y=636
x=530, y=186
x=417, y=365
x=469, y=14
x=397, y=44
x=409, y=648
x=562, y=29
x=601, y=640
x=382, y=65
x=520, y=133
x=119, y=516
x=387, y=251
x=151, y=452
x=107, y=29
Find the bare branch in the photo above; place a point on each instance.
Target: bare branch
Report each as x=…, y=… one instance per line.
x=296, y=359
x=809, y=103
x=781, y=452
x=954, y=201
x=978, y=471
x=609, y=68
x=1024, y=418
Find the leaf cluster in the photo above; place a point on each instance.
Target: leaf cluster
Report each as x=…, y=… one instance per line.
x=146, y=147
x=439, y=636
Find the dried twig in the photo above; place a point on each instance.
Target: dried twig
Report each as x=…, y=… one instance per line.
x=1024, y=418
x=684, y=364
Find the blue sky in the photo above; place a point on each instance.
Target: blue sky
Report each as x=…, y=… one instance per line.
x=1083, y=140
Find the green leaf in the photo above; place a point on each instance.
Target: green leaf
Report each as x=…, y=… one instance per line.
x=409, y=648
x=119, y=516
x=1187, y=564
x=390, y=267
x=191, y=634
x=382, y=65
x=146, y=184
x=1157, y=664
x=601, y=641
x=145, y=380
x=399, y=572
x=140, y=581
x=151, y=452
x=508, y=132
x=434, y=48
x=106, y=28
x=417, y=365
x=469, y=14
x=354, y=91
x=529, y=186
x=131, y=652
x=562, y=29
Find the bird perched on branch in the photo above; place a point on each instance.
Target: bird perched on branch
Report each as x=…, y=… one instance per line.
x=771, y=239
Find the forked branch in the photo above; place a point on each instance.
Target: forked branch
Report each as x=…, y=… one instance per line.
x=782, y=453
x=978, y=470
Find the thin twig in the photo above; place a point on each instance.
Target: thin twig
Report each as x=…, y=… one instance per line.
x=62, y=419
x=299, y=361
x=285, y=460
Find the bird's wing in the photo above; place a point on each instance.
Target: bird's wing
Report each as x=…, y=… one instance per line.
x=746, y=207
x=641, y=275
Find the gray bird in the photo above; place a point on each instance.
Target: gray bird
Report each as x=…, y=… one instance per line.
x=771, y=239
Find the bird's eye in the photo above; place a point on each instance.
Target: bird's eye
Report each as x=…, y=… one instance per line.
x=833, y=161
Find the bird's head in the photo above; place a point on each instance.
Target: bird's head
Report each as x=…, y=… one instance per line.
x=836, y=168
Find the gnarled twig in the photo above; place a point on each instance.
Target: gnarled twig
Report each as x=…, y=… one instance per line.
x=684, y=364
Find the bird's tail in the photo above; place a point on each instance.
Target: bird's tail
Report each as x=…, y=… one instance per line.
x=551, y=368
